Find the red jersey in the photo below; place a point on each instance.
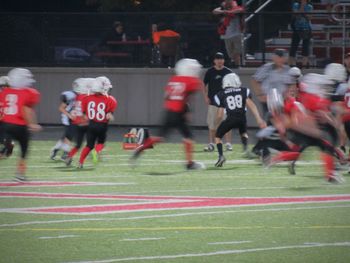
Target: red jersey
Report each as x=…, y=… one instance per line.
x=177, y=91
x=14, y=100
x=77, y=111
x=97, y=106
x=313, y=102
x=292, y=105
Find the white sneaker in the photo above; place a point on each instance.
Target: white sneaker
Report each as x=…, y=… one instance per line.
x=336, y=178
x=228, y=146
x=209, y=148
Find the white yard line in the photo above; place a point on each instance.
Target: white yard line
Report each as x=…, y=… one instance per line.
x=229, y=242
x=217, y=253
x=58, y=237
x=143, y=239
x=173, y=215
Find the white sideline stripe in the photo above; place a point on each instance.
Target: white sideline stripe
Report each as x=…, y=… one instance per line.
x=66, y=236
x=143, y=239
x=216, y=253
x=172, y=162
x=229, y=242
x=172, y=215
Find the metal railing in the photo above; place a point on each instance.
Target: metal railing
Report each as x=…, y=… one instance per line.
x=341, y=14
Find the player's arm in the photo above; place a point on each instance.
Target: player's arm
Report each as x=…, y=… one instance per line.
x=218, y=11
x=252, y=107
x=63, y=106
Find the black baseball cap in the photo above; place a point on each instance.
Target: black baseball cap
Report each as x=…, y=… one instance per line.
x=219, y=55
x=280, y=52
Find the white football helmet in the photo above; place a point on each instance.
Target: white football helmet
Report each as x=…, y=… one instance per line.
x=188, y=67
x=106, y=83
x=4, y=80
x=317, y=84
x=231, y=80
x=20, y=78
x=95, y=86
x=335, y=72
x=77, y=86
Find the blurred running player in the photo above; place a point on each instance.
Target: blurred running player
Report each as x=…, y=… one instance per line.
x=234, y=98
x=307, y=124
x=79, y=121
x=18, y=101
x=177, y=92
x=66, y=107
x=99, y=109
x=4, y=151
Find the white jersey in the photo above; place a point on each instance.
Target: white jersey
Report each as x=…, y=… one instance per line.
x=67, y=97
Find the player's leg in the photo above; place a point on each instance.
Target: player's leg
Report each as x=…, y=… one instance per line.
x=223, y=128
x=212, y=123
x=90, y=143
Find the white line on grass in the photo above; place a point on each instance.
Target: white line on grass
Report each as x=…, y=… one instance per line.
x=66, y=236
x=229, y=242
x=143, y=239
x=217, y=253
x=173, y=215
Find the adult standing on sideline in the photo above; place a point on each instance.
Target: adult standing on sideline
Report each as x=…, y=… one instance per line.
x=213, y=84
x=230, y=29
x=302, y=31
x=18, y=101
x=271, y=75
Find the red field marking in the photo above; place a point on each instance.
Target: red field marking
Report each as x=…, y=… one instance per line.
x=175, y=202
x=42, y=183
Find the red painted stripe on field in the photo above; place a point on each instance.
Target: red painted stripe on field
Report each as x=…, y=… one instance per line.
x=38, y=183
x=208, y=202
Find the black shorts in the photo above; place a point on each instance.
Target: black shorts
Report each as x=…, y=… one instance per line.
x=69, y=131
x=96, y=132
x=305, y=141
x=175, y=120
x=231, y=123
x=80, y=132
x=19, y=133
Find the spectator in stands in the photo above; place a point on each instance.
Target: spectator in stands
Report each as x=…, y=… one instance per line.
x=347, y=65
x=230, y=29
x=117, y=33
x=301, y=27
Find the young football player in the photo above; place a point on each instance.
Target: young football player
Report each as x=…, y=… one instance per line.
x=66, y=107
x=233, y=99
x=177, y=92
x=81, y=88
x=98, y=109
x=3, y=150
x=18, y=101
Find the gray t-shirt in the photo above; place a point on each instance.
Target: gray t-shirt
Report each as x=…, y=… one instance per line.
x=233, y=29
x=271, y=77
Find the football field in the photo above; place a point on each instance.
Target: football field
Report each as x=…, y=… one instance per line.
x=159, y=212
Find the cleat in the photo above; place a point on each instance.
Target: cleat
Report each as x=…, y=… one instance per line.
x=228, y=147
x=20, y=178
x=249, y=155
x=209, y=148
x=195, y=166
x=336, y=179
x=95, y=157
x=80, y=166
x=68, y=161
x=64, y=156
x=53, y=154
x=220, y=162
x=266, y=161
